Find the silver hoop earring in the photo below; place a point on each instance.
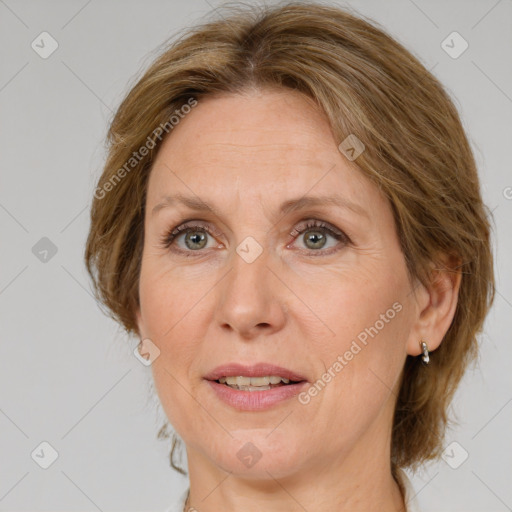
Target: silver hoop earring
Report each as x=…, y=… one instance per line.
x=424, y=348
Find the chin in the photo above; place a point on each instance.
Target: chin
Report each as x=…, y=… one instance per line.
x=260, y=454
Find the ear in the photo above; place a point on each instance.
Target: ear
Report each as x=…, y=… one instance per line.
x=436, y=303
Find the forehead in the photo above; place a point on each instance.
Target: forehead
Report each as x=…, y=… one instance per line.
x=259, y=143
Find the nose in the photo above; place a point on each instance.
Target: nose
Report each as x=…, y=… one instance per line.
x=251, y=298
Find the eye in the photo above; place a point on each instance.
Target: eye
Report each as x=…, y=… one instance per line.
x=194, y=234
x=316, y=234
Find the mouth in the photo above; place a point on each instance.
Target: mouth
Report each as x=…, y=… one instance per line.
x=260, y=375
x=245, y=383
x=254, y=387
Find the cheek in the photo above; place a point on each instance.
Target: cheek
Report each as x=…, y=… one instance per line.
x=167, y=297
x=173, y=315
x=356, y=304
x=362, y=357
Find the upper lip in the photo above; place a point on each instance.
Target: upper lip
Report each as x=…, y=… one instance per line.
x=255, y=370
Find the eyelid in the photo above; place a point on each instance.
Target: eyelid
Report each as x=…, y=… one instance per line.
x=195, y=224
x=317, y=223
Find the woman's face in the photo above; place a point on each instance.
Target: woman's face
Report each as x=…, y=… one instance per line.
x=319, y=290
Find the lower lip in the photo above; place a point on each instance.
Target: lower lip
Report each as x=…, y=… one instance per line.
x=255, y=400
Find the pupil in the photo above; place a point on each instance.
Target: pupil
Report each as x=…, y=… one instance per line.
x=195, y=237
x=317, y=238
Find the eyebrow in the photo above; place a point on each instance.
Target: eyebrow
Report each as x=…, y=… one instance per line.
x=291, y=205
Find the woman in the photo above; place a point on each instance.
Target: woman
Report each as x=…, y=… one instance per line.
x=290, y=220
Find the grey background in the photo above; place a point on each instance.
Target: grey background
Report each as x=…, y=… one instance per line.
x=67, y=373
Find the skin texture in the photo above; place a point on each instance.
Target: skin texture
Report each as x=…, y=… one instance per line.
x=297, y=305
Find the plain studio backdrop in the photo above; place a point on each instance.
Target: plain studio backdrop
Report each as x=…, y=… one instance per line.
x=68, y=376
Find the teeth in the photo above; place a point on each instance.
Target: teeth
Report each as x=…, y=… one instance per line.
x=253, y=381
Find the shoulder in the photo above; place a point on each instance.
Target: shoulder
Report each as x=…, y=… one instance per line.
x=409, y=493
x=179, y=505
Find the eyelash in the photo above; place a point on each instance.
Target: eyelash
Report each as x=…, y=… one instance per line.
x=169, y=237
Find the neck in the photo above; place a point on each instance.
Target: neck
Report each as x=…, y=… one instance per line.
x=386, y=497
x=357, y=481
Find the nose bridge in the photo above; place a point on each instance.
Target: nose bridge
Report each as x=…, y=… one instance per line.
x=249, y=271
x=250, y=256
x=249, y=298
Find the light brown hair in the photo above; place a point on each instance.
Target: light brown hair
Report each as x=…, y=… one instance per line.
x=368, y=85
